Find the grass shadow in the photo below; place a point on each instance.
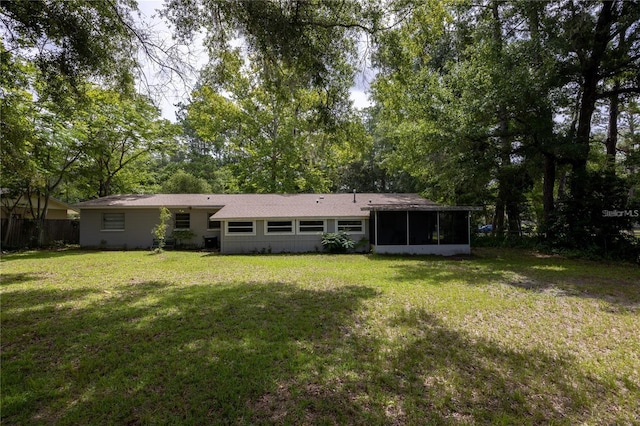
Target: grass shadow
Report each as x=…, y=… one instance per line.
x=42, y=254
x=434, y=374
x=160, y=353
x=440, y=270
x=453, y=377
x=200, y=349
x=18, y=278
x=616, y=284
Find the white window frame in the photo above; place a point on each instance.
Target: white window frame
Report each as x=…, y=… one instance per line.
x=175, y=221
x=239, y=234
x=301, y=232
x=105, y=229
x=342, y=227
x=291, y=226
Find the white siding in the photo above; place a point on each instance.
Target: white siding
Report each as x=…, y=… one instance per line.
x=138, y=224
x=268, y=243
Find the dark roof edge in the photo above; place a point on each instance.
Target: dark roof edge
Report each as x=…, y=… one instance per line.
x=419, y=207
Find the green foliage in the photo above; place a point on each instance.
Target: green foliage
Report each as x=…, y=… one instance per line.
x=160, y=230
x=123, y=131
x=63, y=133
x=465, y=113
x=596, y=230
x=275, y=113
x=185, y=183
x=271, y=138
x=313, y=41
x=69, y=41
x=182, y=235
x=16, y=124
x=337, y=242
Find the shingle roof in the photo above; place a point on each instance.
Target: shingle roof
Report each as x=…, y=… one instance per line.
x=154, y=200
x=253, y=206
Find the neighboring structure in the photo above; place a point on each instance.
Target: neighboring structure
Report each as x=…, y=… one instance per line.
x=274, y=223
x=20, y=208
x=19, y=229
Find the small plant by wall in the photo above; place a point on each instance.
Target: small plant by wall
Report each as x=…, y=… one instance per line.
x=337, y=242
x=160, y=230
x=182, y=236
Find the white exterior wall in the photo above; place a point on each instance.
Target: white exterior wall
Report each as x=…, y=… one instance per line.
x=137, y=232
x=138, y=224
x=260, y=242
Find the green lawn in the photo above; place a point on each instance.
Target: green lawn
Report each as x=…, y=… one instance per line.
x=502, y=337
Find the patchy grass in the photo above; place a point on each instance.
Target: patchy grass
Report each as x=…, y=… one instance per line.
x=502, y=337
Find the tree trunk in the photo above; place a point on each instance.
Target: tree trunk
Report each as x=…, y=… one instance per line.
x=513, y=218
x=548, y=184
x=590, y=70
x=562, y=185
x=42, y=216
x=503, y=202
x=9, y=230
x=612, y=132
x=498, y=218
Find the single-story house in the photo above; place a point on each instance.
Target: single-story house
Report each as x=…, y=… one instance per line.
x=274, y=223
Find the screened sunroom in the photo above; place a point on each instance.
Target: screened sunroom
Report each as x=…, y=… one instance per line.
x=420, y=229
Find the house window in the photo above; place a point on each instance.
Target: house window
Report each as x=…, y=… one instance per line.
x=279, y=227
x=353, y=226
x=113, y=221
x=182, y=221
x=212, y=224
x=311, y=226
x=241, y=228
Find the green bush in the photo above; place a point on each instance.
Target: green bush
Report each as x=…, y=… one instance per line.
x=337, y=242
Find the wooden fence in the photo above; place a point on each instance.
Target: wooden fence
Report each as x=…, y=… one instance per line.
x=23, y=233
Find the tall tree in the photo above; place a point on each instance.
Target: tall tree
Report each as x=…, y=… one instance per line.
x=70, y=41
x=314, y=40
x=599, y=42
x=62, y=45
x=451, y=88
x=482, y=99
x=275, y=137
x=122, y=130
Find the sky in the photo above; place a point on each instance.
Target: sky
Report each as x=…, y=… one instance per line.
x=178, y=91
